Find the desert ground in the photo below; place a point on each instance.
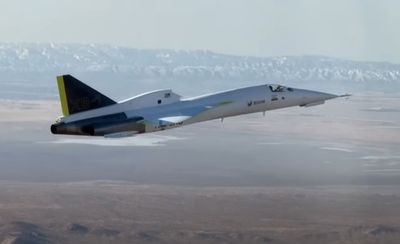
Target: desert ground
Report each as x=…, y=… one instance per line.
x=325, y=174
x=123, y=212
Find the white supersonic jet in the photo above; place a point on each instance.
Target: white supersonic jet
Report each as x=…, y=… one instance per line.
x=88, y=112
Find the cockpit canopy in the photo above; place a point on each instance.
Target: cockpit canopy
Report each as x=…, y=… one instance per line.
x=279, y=88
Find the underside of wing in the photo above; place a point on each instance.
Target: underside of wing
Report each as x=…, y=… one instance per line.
x=180, y=115
x=120, y=134
x=175, y=119
x=187, y=113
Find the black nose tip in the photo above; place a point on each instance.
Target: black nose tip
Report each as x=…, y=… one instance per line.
x=53, y=129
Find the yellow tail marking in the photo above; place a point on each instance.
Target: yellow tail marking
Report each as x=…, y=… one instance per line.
x=63, y=95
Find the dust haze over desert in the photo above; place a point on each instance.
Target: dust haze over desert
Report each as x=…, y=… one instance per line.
x=323, y=174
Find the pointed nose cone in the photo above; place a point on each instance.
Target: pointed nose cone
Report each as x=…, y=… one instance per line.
x=320, y=96
x=311, y=98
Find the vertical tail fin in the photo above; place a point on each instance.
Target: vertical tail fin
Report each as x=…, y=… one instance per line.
x=77, y=97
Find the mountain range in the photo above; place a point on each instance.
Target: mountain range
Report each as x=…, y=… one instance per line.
x=39, y=63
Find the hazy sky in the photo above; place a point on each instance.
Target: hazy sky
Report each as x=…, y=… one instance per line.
x=356, y=29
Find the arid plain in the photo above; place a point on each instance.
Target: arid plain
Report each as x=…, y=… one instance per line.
x=326, y=174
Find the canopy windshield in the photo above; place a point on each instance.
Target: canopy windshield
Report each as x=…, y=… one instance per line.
x=279, y=88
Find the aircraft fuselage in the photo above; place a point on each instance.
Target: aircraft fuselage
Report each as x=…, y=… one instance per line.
x=163, y=109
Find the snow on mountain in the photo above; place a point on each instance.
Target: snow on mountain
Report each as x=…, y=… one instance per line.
x=75, y=58
x=28, y=69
